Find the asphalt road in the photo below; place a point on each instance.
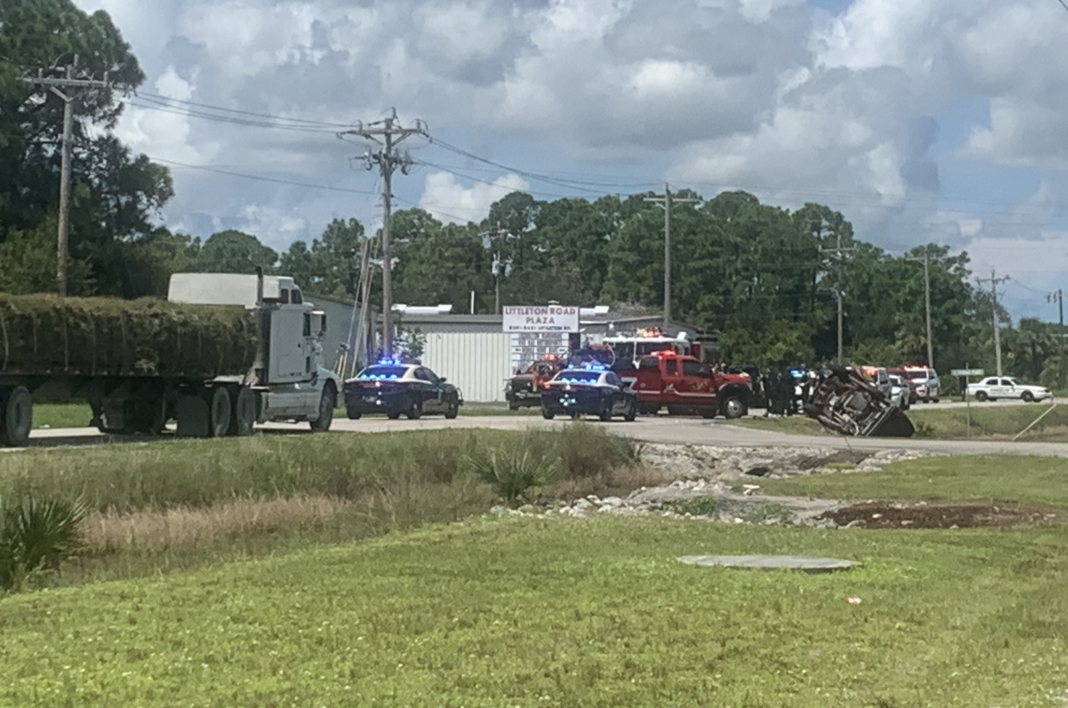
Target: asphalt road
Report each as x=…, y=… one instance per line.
x=679, y=431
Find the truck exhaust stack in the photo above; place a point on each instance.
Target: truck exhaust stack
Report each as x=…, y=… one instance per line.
x=847, y=403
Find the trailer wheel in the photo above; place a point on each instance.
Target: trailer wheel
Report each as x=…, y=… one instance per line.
x=219, y=410
x=243, y=416
x=327, y=404
x=16, y=417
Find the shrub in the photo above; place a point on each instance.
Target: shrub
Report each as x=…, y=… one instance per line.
x=512, y=474
x=35, y=537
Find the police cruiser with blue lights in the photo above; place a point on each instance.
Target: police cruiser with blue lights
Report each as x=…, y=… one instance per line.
x=591, y=390
x=397, y=388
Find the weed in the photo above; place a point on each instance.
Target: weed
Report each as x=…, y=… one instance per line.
x=696, y=506
x=760, y=513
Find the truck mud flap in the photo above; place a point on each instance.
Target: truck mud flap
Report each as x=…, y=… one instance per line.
x=894, y=424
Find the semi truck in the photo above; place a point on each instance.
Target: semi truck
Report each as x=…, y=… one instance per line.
x=218, y=383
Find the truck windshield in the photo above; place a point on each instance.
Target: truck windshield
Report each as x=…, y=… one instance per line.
x=917, y=375
x=578, y=376
x=380, y=373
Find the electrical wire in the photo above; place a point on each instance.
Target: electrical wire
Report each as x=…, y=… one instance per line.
x=158, y=98
x=174, y=110
x=261, y=178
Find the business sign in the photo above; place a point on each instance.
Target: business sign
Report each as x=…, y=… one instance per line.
x=548, y=318
x=530, y=347
x=967, y=372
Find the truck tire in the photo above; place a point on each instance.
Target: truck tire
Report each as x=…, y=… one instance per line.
x=219, y=411
x=981, y=396
x=733, y=408
x=243, y=417
x=327, y=404
x=16, y=417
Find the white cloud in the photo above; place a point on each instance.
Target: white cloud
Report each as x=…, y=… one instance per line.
x=863, y=110
x=450, y=201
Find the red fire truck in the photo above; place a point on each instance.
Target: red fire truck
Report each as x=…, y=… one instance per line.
x=685, y=385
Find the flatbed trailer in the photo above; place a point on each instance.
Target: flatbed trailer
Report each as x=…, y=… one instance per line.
x=281, y=378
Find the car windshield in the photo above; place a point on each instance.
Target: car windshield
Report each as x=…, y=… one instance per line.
x=917, y=375
x=381, y=373
x=581, y=377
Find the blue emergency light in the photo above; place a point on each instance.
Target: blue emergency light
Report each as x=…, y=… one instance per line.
x=390, y=362
x=595, y=366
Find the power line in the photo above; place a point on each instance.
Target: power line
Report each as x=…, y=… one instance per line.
x=158, y=98
x=177, y=110
x=261, y=178
x=1063, y=4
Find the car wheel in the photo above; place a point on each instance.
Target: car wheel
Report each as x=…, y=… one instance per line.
x=606, y=412
x=981, y=396
x=414, y=411
x=632, y=412
x=393, y=415
x=453, y=410
x=547, y=414
x=1028, y=397
x=576, y=416
x=353, y=415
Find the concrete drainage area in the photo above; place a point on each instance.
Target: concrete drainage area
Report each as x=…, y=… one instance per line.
x=724, y=485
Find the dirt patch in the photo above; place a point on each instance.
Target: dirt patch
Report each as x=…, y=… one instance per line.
x=885, y=515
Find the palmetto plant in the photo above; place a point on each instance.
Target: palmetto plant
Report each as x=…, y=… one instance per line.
x=511, y=474
x=36, y=536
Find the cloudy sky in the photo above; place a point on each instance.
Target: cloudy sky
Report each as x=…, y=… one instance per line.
x=921, y=121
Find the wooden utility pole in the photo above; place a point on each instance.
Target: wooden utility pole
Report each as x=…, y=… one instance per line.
x=665, y=203
x=927, y=302
x=994, y=280
x=388, y=133
x=57, y=86
x=838, y=251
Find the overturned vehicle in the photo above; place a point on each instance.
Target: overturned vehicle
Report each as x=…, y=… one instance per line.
x=846, y=402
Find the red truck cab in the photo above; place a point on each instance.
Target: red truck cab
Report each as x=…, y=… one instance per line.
x=685, y=385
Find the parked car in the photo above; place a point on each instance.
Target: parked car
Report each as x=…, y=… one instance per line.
x=924, y=381
x=879, y=377
x=994, y=387
x=396, y=389
x=592, y=390
x=900, y=392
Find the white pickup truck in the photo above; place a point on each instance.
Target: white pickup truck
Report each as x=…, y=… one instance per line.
x=995, y=387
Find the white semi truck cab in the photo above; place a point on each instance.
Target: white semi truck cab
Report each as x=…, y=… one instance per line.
x=288, y=382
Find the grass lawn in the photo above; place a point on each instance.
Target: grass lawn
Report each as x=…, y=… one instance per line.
x=61, y=415
x=990, y=478
x=565, y=613
x=987, y=422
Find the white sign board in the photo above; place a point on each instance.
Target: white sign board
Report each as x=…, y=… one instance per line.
x=545, y=318
x=530, y=347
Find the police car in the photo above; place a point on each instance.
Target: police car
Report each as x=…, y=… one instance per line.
x=396, y=388
x=590, y=390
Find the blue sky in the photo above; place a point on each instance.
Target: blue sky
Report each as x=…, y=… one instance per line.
x=920, y=121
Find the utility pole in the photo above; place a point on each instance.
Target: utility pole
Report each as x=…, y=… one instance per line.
x=495, y=236
x=1058, y=297
x=388, y=133
x=838, y=251
x=56, y=85
x=665, y=203
x=927, y=302
x=994, y=280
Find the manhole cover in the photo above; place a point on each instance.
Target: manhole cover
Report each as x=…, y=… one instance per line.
x=812, y=565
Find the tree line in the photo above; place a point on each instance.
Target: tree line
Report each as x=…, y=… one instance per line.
x=761, y=275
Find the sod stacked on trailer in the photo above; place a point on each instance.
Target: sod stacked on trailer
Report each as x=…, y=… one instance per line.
x=42, y=334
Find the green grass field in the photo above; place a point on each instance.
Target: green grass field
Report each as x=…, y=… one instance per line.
x=565, y=613
x=316, y=570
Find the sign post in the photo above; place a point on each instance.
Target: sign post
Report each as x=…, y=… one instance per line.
x=964, y=375
x=537, y=331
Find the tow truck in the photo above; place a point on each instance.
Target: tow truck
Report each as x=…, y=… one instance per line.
x=683, y=384
x=524, y=389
